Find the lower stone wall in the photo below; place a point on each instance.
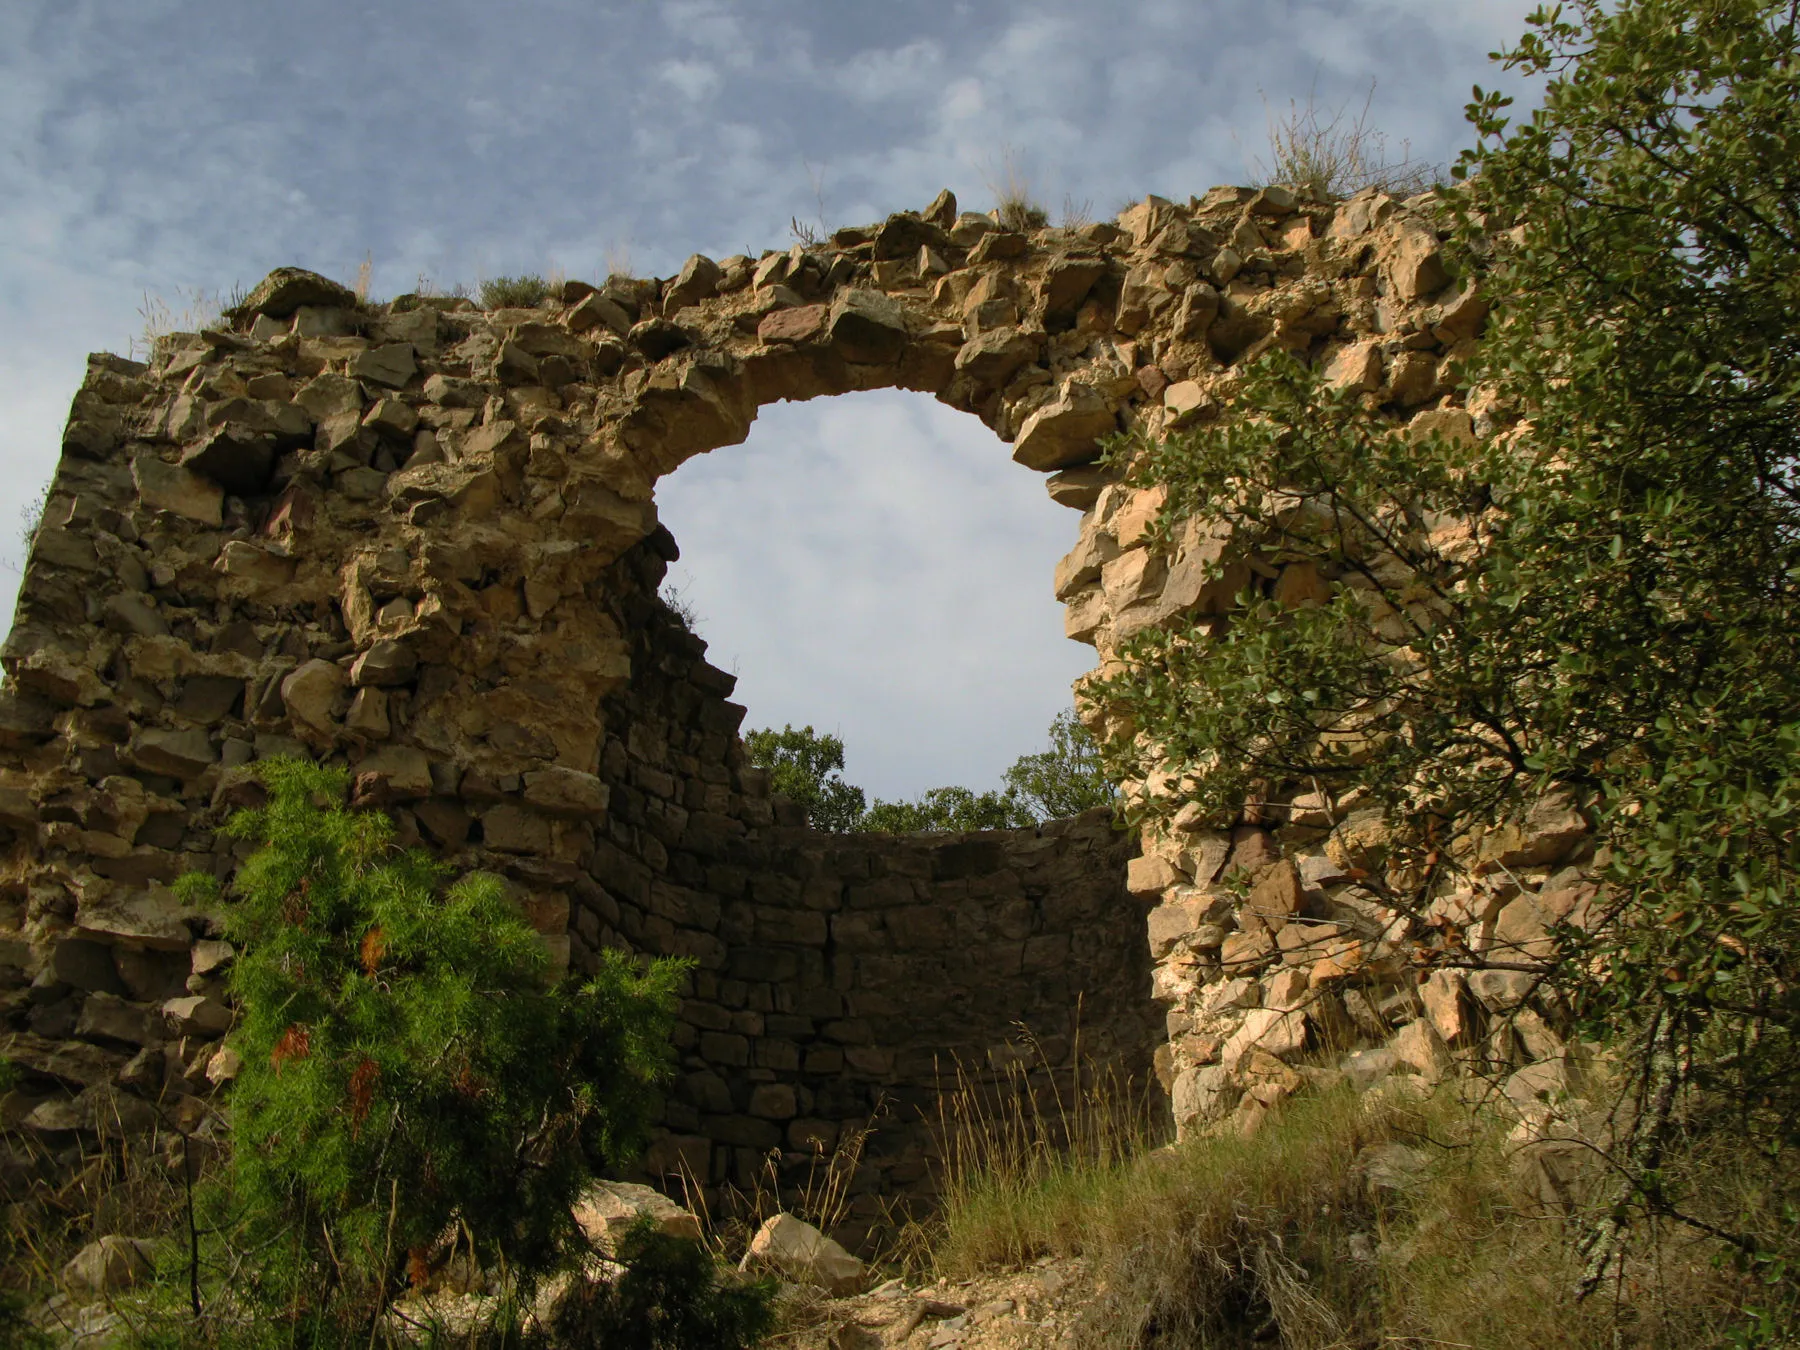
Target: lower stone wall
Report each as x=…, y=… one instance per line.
x=840, y=980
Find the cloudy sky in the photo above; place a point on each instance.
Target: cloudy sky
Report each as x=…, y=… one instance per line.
x=874, y=565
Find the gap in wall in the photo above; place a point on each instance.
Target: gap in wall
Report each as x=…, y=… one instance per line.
x=877, y=566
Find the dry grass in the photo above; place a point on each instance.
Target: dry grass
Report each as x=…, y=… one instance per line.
x=1027, y=1155
x=199, y=309
x=1336, y=155
x=1014, y=206
x=1280, y=1237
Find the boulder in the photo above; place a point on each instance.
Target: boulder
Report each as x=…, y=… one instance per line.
x=1064, y=431
x=108, y=1265
x=180, y=491
x=392, y=365
x=607, y=1209
x=177, y=754
x=313, y=692
x=799, y=1252
x=867, y=327
x=698, y=280
x=386, y=663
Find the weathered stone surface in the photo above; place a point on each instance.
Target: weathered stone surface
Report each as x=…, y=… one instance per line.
x=1064, y=431
x=569, y=792
x=386, y=663
x=196, y=1015
x=797, y=1251
x=151, y=918
x=108, y=1265
x=805, y=323
x=867, y=327
x=698, y=280
x=606, y=1209
x=179, y=754
x=108, y=1018
x=392, y=365
x=1273, y=1031
x=285, y=289
x=404, y=772
x=991, y=358
x=168, y=487
x=313, y=693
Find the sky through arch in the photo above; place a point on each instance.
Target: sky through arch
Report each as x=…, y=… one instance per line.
x=876, y=565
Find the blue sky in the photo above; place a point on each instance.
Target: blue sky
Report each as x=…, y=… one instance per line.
x=874, y=564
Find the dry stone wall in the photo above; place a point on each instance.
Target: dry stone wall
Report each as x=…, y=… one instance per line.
x=420, y=540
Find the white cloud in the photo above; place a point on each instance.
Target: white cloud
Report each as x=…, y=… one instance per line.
x=876, y=565
x=137, y=152
x=696, y=81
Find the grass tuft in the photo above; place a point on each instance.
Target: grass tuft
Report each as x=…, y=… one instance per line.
x=520, y=292
x=1334, y=155
x=1014, y=206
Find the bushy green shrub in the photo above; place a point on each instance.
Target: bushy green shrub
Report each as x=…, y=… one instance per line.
x=669, y=1297
x=408, y=1063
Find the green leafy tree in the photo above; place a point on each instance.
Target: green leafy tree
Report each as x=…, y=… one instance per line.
x=948, y=808
x=1602, y=595
x=807, y=768
x=1066, y=779
x=407, y=1061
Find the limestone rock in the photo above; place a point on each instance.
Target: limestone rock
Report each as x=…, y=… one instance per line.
x=1418, y=1046
x=313, y=693
x=799, y=1252
x=106, y=1017
x=698, y=280
x=606, y=1209
x=403, y=772
x=108, y=1265
x=1064, y=431
x=386, y=663
x=168, y=487
x=285, y=289
x=197, y=1015
x=179, y=754
x=1281, y=1034
x=867, y=327
x=151, y=918
x=392, y=365
x=567, y=792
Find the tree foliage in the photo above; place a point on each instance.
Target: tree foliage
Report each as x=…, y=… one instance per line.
x=1064, y=780
x=407, y=1062
x=1601, y=594
x=807, y=768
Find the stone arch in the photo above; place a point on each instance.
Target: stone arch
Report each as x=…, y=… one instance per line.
x=420, y=540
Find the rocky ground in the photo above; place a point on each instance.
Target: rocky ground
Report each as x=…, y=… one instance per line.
x=1038, y=1306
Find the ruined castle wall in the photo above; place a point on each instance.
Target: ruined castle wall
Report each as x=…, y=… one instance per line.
x=842, y=981
x=418, y=540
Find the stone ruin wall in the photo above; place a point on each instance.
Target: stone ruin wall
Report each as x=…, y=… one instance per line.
x=420, y=540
